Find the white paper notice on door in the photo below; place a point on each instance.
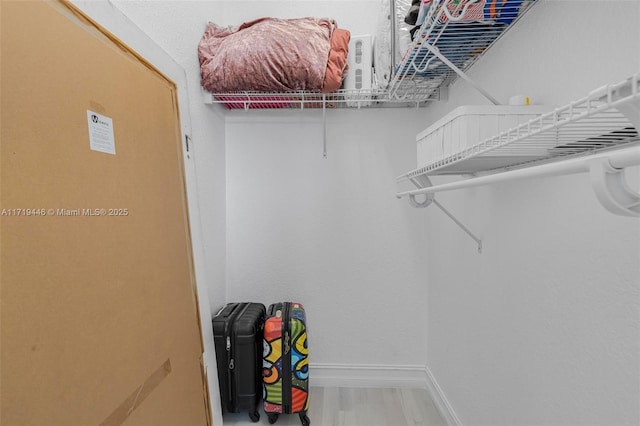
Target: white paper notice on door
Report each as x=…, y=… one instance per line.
x=101, y=133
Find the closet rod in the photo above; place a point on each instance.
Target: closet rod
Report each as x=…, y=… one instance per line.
x=619, y=159
x=601, y=166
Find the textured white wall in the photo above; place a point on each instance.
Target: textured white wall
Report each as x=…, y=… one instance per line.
x=329, y=232
x=544, y=326
x=357, y=16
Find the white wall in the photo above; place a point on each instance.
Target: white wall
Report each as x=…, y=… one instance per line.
x=329, y=232
x=357, y=16
x=544, y=326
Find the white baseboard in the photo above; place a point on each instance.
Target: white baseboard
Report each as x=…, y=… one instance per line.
x=368, y=376
x=440, y=400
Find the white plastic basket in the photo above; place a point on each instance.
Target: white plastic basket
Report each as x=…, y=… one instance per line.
x=469, y=125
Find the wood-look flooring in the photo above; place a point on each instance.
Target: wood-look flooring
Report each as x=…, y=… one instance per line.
x=358, y=407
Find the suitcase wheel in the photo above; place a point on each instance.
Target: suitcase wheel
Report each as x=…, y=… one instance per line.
x=273, y=417
x=255, y=416
x=304, y=419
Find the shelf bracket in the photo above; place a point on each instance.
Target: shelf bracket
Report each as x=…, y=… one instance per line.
x=424, y=181
x=447, y=62
x=324, y=126
x=610, y=186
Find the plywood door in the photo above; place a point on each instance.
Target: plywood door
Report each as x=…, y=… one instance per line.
x=99, y=314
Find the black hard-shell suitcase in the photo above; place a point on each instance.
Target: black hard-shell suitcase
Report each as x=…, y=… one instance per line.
x=237, y=333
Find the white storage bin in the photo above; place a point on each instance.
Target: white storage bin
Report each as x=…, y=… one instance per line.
x=469, y=125
x=359, y=74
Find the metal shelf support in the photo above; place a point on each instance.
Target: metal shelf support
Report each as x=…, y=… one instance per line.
x=324, y=126
x=430, y=198
x=461, y=74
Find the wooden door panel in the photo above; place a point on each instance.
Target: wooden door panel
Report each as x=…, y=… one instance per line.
x=92, y=305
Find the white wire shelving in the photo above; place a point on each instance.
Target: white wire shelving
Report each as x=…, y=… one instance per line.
x=452, y=37
x=606, y=118
x=597, y=134
x=248, y=100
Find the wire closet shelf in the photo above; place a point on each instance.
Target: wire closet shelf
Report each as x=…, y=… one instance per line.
x=597, y=134
x=605, y=119
x=452, y=37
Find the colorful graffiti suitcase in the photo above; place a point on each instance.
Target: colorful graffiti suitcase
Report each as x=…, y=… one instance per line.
x=285, y=368
x=237, y=335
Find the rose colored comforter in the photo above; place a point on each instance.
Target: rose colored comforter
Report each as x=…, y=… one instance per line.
x=273, y=55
